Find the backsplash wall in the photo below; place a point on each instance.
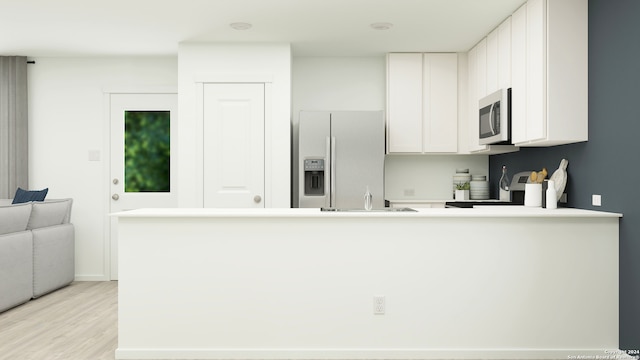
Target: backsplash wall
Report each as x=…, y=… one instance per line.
x=608, y=163
x=428, y=177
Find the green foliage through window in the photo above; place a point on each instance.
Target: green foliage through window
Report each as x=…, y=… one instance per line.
x=147, y=151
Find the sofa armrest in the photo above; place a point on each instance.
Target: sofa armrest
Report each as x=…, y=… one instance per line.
x=53, y=258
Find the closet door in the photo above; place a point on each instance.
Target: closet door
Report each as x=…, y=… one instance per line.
x=233, y=138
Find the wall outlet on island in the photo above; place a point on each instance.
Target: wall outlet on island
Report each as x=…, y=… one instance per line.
x=379, y=304
x=409, y=192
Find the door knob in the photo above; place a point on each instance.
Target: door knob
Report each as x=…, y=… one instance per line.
x=115, y=181
x=115, y=197
x=257, y=199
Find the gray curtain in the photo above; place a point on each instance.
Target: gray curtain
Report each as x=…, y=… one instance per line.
x=13, y=125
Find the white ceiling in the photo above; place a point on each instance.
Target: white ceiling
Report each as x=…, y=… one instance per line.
x=313, y=27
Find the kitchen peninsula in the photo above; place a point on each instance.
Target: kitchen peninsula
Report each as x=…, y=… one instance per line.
x=495, y=282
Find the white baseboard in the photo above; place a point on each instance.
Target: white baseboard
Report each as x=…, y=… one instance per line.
x=91, y=278
x=371, y=354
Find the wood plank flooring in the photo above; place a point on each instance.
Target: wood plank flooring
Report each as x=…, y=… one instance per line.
x=78, y=322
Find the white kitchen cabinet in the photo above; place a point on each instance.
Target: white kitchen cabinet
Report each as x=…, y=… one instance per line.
x=422, y=103
x=481, y=69
x=404, y=107
x=485, y=75
x=494, y=60
x=519, y=73
x=504, y=55
x=550, y=73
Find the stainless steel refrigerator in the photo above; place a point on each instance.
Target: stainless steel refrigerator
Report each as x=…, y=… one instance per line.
x=341, y=154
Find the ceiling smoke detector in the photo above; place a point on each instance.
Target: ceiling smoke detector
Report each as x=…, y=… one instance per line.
x=381, y=26
x=240, y=26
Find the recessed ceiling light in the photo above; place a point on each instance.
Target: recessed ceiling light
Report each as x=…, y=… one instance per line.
x=381, y=26
x=240, y=26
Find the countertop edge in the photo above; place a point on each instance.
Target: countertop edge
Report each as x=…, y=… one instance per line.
x=477, y=212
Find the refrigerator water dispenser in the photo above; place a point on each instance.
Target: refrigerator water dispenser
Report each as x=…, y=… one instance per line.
x=314, y=177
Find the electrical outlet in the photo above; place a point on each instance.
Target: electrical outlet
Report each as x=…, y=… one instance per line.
x=379, y=305
x=409, y=192
x=596, y=200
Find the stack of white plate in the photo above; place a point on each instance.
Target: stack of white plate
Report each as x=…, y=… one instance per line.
x=462, y=176
x=479, y=188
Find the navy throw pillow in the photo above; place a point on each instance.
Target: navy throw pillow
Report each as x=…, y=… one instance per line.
x=23, y=196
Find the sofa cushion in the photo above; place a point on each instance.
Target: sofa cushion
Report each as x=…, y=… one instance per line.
x=49, y=213
x=23, y=196
x=14, y=218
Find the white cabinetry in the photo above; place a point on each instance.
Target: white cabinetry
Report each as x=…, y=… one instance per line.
x=499, y=57
x=422, y=103
x=550, y=73
x=489, y=69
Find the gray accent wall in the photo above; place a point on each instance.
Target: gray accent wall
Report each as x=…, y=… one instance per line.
x=609, y=163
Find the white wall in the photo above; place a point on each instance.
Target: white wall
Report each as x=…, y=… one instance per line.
x=359, y=83
x=200, y=61
x=66, y=121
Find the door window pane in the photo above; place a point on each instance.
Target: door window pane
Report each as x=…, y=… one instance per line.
x=147, y=150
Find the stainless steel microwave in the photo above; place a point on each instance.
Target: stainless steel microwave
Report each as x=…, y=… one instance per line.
x=495, y=118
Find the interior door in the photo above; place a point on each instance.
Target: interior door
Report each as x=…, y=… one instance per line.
x=233, y=151
x=143, y=169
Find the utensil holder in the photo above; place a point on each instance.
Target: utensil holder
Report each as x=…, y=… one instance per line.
x=533, y=195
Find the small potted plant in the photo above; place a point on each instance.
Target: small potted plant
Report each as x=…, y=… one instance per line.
x=462, y=191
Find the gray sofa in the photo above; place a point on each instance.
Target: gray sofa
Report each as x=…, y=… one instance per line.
x=37, y=249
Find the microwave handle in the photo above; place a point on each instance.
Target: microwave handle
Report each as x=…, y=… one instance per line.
x=493, y=130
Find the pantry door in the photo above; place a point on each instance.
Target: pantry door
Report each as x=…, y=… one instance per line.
x=143, y=152
x=233, y=145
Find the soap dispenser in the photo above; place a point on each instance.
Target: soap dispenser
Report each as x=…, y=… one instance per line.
x=368, y=200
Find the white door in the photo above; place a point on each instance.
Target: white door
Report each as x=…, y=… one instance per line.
x=143, y=168
x=233, y=132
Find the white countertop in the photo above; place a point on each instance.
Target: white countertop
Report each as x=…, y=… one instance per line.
x=477, y=211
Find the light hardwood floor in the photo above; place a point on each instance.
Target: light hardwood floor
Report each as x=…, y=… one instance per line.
x=78, y=322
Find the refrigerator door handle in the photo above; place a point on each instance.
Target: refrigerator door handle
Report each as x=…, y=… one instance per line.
x=333, y=171
x=327, y=182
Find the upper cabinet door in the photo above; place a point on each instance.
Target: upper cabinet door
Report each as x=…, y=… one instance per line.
x=504, y=54
x=519, y=74
x=422, y=103
x=536, y=128
x=550, y=73
x=492, y=61
x=481, y=51
x=440, y=103
x=404, y=103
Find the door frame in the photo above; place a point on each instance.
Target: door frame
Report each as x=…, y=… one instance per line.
x=231, y=78
x=106, y=188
